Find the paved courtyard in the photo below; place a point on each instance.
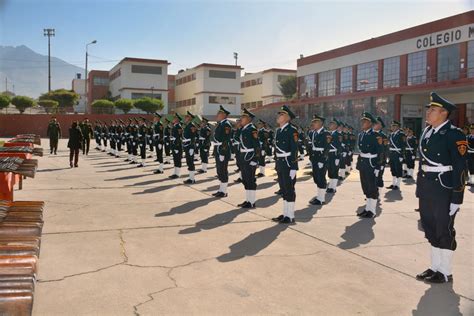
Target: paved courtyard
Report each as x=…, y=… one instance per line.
x=119, y=240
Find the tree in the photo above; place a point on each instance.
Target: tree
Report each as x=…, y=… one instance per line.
x=288, y=87
x=50, y=106
x=102, y=106
x=65, y=98
x=124, y=104
x=22, y=103
x=4, y=101
x=149, y=105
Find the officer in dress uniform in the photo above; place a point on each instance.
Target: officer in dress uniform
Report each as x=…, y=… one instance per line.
x=249, y=147
x=189, y=144
x=397, y=141
x=369, y=162
x=120, y=137
x=204, y=144
x=319, y=143
x=301, y=142
x=352, y=144
x=286, y=152
x=378, y=128
x=235, y=145
x=470, y=155
x=344, y=151
x=222, y=148
x=158, y=142
x=333, y=158
x=112, y=129
x=410, y=153
x=271, y=139
x=176, y=145
x=440, y=186
x=97, y=135
x=142, y=142
x=262, y=138
x=105, y=136
x=167, y=141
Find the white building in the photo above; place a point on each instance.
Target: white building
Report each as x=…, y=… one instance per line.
x=79, y=87
x=263, y=87
x=134, y=78
x=202, y=89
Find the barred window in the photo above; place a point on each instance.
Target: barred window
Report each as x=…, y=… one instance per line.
x=391, y=72
x=327, y=83
x=417, y=68
x=367, y=76
x=222, y=74
x=143, y=69
x=448, y=62
x=346, y=79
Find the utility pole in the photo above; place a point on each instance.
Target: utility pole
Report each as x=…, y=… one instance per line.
x=236, y=56
x=85, y=77
x=49, y=33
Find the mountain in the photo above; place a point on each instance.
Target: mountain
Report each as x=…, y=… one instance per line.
x=28, y=71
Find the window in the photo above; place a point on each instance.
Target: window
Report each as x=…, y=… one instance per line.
x=416, y=68
x=98, y=81
x=222, y=74
x=186, y=79
x=367, y=76
x=251, y=83
x=470, y=113
x=448, y=62
x=142, y=69
x=139, y=95
x=115, y=75
x=308, y=86
x=187, y=102
x=327, y=83
x=222, y=100
x=391, y=72
x=470, y=59
x=346, y=79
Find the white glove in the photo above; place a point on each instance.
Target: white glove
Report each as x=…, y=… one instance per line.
x=292, y=174
x=134, y=144
x=413, y=157
x=337, y=162
x=205, y=150
x=263, y=152
x=191, y=152
x=221, y=158
x=160, y=146
x=350, y=153
x=382, y=167
x=453, y=208
x=401, y=159
x=343, y=154
x=376, y=172
x=320, y=165
x=253, y=163
x=176, y=151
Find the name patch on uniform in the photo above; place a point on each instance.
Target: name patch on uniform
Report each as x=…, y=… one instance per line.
x=462, y=146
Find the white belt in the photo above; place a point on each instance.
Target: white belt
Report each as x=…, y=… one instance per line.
x=410, y=149
x=248, y=150
x=426, y=168
x=172, y=138
x=216, y=143
x=332, y=150
x=283, y=155
x=364, y=155
x=471, y=151
x=202, y=138
x=394, y=149
x=318, y=149
x=185, y=140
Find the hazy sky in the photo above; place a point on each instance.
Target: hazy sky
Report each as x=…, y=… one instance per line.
x=265, y=33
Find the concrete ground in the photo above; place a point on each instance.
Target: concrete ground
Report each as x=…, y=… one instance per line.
x=119, y=240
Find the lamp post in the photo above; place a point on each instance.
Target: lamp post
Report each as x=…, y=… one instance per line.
x=49, y=33
x=236, y=56
x=85, y=77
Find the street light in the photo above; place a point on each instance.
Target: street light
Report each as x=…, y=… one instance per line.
x=236, y=56
x=49, y=33
x=87, y=55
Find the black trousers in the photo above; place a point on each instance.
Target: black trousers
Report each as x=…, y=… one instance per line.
x=112, y=144
x=143, y=150
x=380, y=177
x=105, y=142
x=204, y=154
x=470, y=162
x=287, y=185
x=86, y=144
x=189, y=157
x=53, y=145
x=395, y=164
x=74, y=154
x=434, y=202
x=119, y=145
x=159, y=152
x=248, y=174
x=319, y=174
x=333, y=169
x=134, y=149
x=261, y=159
x=177, y=156
x=221, y=168
x=167, y=149
x=368, y=180
x=97, y=141
x=410, y=159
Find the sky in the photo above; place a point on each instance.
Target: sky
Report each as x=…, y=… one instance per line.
x=265, y=34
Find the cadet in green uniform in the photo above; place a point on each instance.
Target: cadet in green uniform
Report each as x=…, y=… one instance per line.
x=142, y=142
x=397, y=151
x=176, y=145
x=319, y=144
x=410, y=153
x=87, y=133
x=440, y=186
x=222, y=144
x=249, y=153
x=369, y=162
x=204, y=144
x=334, y=153
x=167, y=141
x=158, y=142
x=54, y=134
x=189, y=143
x=286, y=152
x=236, y=147
x=262, y=138
x=378, y=128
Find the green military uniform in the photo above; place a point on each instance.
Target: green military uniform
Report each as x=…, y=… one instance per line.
x=54, y=134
